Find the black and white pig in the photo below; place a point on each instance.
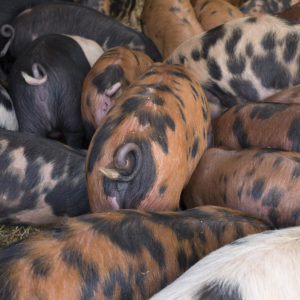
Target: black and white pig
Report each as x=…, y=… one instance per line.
x=8, y=119
x=75, y=19
x=45, y=85
x=246, y=59
x=41, y=180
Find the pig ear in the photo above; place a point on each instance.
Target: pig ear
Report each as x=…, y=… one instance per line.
x=128, y=159
x=113, y=89
x=39, y=75
x=7, y=31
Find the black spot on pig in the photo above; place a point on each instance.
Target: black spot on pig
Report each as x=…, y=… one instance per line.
x=88, y=271
x=258, y=188
x=41, y=266
x=264, y=111
x=218, y=291
x=268, y=41
x=195, y=147
x=251, y=20
x=210, y=38
x=291, y=45
x=244, y=89
x=233, y=40
x=111, y=75
x=182, y=260
x=273, y=198
x=277, y=162
x=236, y=64
x=162, y=189
x=159, y=123
x=249, y=50
x=182, y=58
x=294, y=135
x=195, y=54
x=117, y=279
x=270, y=71
x=214, y=69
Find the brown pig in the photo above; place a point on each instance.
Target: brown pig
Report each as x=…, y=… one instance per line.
x=212, y=13
x=110, y=75
x=263, y=125
x=264, y=183
x=168, y=24
x=147, y=146
x=117, y=255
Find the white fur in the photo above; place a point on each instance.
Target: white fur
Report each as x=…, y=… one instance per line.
x=8, y=118
x=32, y=80
x=265, y=266
x=91, y=49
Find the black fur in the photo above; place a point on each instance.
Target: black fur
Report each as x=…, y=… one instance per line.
x=78, y=20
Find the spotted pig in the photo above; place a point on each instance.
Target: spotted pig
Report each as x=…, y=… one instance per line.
x=45, y=85
x=117, y=255
x=41, y=180
x=75, y=19
x=169, y=23
x=260, y=266
x=110, y=75
x=149, y=143
x=262, y=182
x=212, y=13
x=246, y=59
x=8, y=119
x=261, y=7
x=292, y=13
x=264, y=125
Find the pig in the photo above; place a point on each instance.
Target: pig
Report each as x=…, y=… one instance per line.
x=261, y=182
x=212, y=13
x=117, y=68
x=41, y=180
x=260, y=266
x=169, y=24
x=45, y=85
x=290, y=95
x=126, y=254
x=74, y=19
x=8, y=10
x=8, y=119
x=260, y=56
x=147, y=146
x=292, y=13
x=264, y=125
x=261, y=7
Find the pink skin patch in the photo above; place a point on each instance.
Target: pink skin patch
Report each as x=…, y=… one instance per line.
x=106, y=102
x=113, y=200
